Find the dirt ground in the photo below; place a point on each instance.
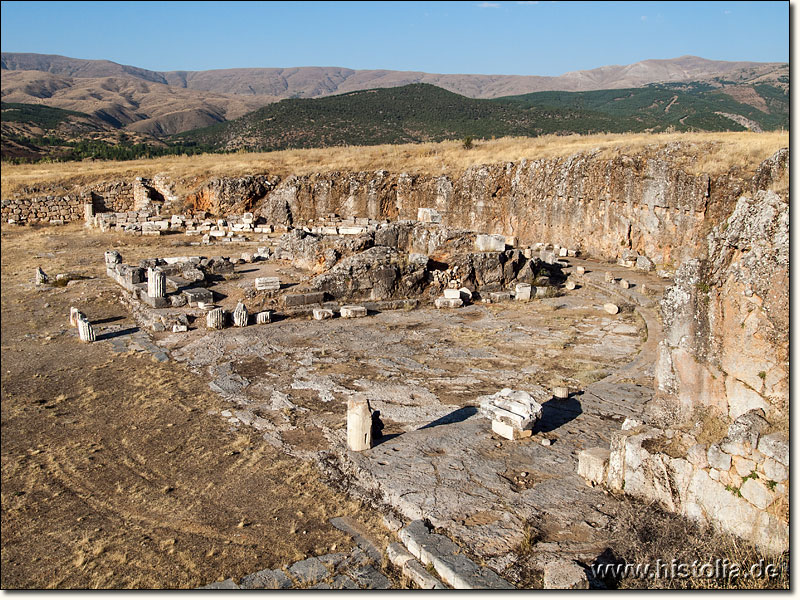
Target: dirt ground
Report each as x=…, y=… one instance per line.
x=114, y=472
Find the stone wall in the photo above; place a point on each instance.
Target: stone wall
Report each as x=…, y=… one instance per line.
x=57, y=205
x=726, y=319
x=740, y=484
x=597, y=205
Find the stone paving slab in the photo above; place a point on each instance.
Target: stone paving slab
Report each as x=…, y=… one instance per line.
x=369, y=577
x=268, y=579
x=309, y=571
x=456, y=569
x=228, y=584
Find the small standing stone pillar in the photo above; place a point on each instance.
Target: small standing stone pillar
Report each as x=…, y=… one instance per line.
x=240, y=315
x=215, y=319
x=156, y=283
x=609, y=277
x=112, y=258
x=88, y=212
x=41, y=276
x=85, y=330
x=74, y=316
x=359, y=425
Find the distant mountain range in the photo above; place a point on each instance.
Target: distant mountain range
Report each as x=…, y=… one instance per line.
x=125, y=104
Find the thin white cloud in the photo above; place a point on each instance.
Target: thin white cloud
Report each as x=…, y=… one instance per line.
x=488, y=5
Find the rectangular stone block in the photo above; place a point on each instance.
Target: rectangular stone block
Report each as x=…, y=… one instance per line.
x=322, y=313
x=195, y=295
x=270, y=284
x=303, y=299
x=500, y=296
x=451, y=293
x=523, y=291
x=352, y=311
x=448, y=302
x=490, y=243
x=593, y=465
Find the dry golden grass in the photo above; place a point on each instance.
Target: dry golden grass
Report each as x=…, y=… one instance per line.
x=711, y=153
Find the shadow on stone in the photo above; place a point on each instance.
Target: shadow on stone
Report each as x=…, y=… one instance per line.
x=107, y=320
x=557, y=412
x=462, y=414
x=115, y=334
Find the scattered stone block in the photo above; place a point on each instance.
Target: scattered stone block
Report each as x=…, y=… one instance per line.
x=513, y=413
x=608, y=277
x=197, y=295
x=179, y=328
x=593, y=465
x=542, y=291
x=452, y=294
x=490, y=243
x=269, y=284
x=351, y=311
x=562, y=252
x=359, y=424
x=624, y=284
x=321, y=314
x=500, y=296
x=523, y=291
x=85, y=331
x=263, y=317
x=466, y=294
x=611, y=308
x=570, y=285
x=41, y=277
x=511, y=240
x=303, y=299
x=240, y=315
x=215, y=319
x=580, y=270
x=444, y=302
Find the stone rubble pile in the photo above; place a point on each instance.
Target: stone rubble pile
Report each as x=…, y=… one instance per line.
x=513, y=413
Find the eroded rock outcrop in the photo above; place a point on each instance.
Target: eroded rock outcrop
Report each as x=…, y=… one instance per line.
x=726, y=319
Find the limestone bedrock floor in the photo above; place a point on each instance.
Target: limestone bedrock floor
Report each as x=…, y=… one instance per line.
x=424, y=370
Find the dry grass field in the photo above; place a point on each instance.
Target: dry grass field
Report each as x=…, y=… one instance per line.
x=712, y=153
x=115, y=474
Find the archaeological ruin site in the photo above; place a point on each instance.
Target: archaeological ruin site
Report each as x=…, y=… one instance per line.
x=497, y=379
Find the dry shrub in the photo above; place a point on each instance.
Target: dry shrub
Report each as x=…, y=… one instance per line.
x=645, y=534
x=712, y=153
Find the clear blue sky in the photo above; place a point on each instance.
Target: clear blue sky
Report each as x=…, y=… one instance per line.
x=522, y=38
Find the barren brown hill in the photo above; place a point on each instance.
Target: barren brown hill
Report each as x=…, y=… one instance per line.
x=128, y=102
x=312, y=82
